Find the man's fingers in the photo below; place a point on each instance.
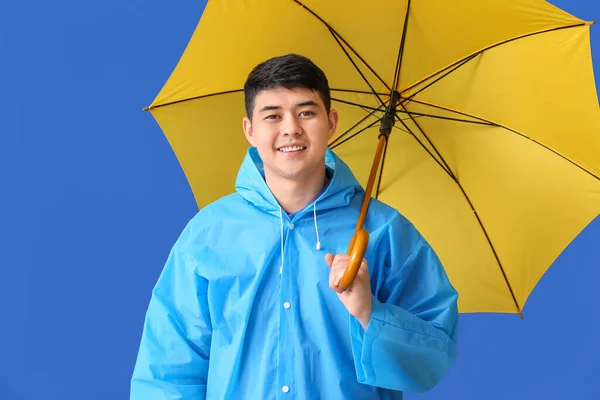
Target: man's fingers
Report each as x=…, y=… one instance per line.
x=338, y=264
x=334, y=259
x=364, y=269
x=338, y=278
x=329, y=259
x=342, y=258
x=332, y=276
x=335, y=275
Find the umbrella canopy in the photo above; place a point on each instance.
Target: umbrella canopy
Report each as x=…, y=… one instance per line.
x=495, y=150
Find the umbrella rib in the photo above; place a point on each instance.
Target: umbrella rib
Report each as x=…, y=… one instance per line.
x=453, y=111
x=412, y=113
x=445, y=168
x=333, y=31
x=356, y=104
x=334, y=144
x=474, y=213
x=513, y=131
x=356, y=91
x=152, y=107
x=475, y=53
x=405, y=119
x=401, y=49
x=335, y=36
x=451, y=70
x=403, y=130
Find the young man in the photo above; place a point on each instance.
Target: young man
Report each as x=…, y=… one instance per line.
x=248, y=307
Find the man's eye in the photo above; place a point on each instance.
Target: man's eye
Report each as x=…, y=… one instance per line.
x=272, y=116
x=306, y=113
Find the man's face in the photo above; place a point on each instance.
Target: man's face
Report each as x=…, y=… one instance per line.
x=290, y=129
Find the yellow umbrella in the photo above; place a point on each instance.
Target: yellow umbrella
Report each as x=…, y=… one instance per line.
x=495, y=150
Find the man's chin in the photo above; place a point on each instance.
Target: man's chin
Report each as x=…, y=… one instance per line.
x=289, y=174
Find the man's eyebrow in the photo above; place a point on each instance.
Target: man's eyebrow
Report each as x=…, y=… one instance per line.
x=269, y=108
x=307, y=103
x=301, y=104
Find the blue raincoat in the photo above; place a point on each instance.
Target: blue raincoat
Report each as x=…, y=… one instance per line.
x=243, y=308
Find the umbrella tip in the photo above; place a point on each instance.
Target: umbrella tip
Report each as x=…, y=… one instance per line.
x=588, y=23
x=521, y=314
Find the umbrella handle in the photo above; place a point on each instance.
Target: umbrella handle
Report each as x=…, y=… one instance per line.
x=358, y=243
x=356, y=250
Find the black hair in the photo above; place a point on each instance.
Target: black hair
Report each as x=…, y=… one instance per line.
x=290, y=71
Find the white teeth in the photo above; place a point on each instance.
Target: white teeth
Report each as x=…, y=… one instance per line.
x=291, y=148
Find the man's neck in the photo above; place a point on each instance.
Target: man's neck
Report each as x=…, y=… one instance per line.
x=294, y=195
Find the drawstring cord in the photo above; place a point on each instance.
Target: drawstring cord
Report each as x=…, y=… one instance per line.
x=318, y=246
x=282, y=238
x=316, y=226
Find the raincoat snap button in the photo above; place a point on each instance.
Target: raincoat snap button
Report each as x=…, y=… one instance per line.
x=286, y=305
x=292, y=227
x=285, y=389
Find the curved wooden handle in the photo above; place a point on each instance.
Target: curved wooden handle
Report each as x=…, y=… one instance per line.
x=358, y=243
x=356, y=250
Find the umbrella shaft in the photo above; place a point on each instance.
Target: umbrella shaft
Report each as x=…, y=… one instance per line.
x=387, y=123
x=389, y=118
x=371, y=183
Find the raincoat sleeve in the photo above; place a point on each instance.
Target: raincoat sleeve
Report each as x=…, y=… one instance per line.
x=409, y=343
x=173, y=357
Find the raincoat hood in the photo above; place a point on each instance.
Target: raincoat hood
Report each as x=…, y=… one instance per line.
x=340, y=191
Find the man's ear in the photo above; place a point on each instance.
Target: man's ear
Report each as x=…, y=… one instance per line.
x=247, y=125
x=333, y=121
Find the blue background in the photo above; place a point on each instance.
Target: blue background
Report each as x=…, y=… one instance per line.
x=92, y=198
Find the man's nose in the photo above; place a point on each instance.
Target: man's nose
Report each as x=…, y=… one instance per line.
x=291, y=126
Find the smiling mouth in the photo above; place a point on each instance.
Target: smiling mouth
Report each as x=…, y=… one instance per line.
x=291, y=149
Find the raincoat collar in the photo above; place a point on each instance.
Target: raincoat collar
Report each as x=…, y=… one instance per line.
x=251, y=185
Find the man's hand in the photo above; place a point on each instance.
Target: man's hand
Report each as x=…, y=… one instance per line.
x=358, y=298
